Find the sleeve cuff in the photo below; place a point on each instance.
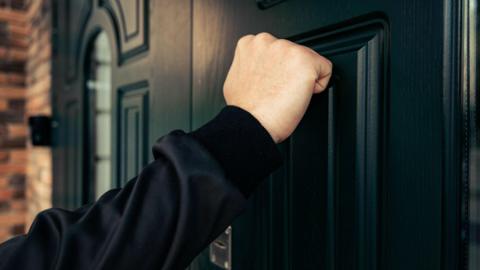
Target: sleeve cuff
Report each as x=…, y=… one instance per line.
x=241, y=145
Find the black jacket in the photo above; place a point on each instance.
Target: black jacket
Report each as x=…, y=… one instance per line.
x=169, y=213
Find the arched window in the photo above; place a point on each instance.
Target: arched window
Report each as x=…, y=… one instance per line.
x=99, y=118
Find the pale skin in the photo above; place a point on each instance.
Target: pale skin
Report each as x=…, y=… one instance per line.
x=274, y=80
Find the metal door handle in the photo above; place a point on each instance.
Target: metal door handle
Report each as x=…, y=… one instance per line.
x=221, y=250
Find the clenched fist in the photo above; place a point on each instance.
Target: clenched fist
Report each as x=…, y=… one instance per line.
x=274, y=80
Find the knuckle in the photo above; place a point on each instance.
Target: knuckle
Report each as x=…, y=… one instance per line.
x=299, y=53
x=328, y=64
x=264, y=36
x=244, y=40
x=281, y=45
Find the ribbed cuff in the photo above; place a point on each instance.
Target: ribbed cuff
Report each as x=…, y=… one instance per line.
x=241, y=145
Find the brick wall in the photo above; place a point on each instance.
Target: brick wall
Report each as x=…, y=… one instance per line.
x=39, y=169
x=25, y=171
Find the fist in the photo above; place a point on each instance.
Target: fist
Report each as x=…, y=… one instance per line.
x=274, y=80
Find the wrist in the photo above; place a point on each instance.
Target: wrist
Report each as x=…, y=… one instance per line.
x=242, y=146
x=266, y=123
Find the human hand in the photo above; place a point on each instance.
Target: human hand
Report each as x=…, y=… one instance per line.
x=274, y=80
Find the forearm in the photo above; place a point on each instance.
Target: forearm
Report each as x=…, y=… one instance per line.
x=162, y=219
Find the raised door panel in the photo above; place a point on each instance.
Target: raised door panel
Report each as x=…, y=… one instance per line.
x=321, y=209
x=133, y=130
x=130, y=19
x=335, y=154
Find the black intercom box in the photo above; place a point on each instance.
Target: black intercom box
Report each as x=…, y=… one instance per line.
x=40, y=130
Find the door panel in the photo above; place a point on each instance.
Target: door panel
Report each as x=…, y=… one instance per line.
x=137, y=82
x=133, y=130
x=354, y=137
x=333, y=155
x=362, y=173
x=131, y=24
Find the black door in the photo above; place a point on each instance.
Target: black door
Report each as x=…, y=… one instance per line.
x=109, y=55
x=371, y=178
x=368, y=182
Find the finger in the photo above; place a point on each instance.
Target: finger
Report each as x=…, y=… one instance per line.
x=323, y=68
x=265, y=37
x=243, y=42
x=321, y=84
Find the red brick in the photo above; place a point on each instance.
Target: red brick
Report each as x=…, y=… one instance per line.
x=4, y=156
x=18, y=156
x=20, y=42
x=13, y=16
x=13, y=54
x=20, y=30
x=6, y=194
x=12, y=78
x=12, y=92
x=17, y=130
x=3, y=104
x=10, y=219
x=12, y=143
x=12, y=168
x=18, y=205
x=4, y=182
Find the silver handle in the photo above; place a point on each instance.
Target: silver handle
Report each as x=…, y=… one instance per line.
x=221, y=250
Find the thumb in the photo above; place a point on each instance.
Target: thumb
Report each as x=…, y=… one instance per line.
x=322, y=83
x=324, y=70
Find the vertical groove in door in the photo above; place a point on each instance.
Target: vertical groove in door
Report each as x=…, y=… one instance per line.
x=288, y=207
x=330, y=230
x=360, y=159
x=371, y=155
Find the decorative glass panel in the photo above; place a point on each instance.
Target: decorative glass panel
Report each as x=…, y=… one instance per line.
x=99, y=85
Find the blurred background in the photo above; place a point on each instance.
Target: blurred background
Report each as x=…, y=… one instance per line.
x=25, y=80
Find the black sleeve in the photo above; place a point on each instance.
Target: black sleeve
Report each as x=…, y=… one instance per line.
x=163, y=218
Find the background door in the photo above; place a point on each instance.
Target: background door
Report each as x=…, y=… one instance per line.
x=108, y=58
x=371, y=178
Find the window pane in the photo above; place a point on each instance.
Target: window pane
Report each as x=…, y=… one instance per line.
x=103, y=176
x=99, y=84
x=103, y=135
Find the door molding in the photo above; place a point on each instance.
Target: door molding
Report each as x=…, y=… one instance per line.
x=77, y=16
x=131, y=32
x=470, y=126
